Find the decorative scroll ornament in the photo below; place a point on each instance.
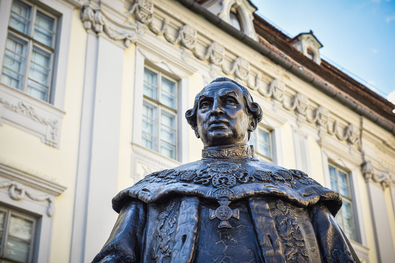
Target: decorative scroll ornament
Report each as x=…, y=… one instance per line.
x=276, y=90
x=384, y=179
x=144, y=11
x=300, y=104
x=30, y=112
x=215, y=52
x=257, y=84
x=17, y=192
x=94, y=19
x=241, y=68
x=321, y=116
x=349, y=134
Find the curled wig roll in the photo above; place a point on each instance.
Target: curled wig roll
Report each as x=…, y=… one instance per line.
x=253, y=108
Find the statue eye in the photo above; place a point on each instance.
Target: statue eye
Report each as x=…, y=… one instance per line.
x=204, y=104
x=231, y=101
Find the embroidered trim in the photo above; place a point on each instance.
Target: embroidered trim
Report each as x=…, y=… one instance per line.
x=288, y=229
x=338, y=256
x=165, y=231
x=243, y=151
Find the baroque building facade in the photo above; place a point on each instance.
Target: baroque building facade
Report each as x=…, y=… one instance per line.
x=93, y=96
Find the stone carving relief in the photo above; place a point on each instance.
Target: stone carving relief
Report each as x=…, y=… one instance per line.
x=144, y=11
x=95, y=20
x=17, y=192
x=349, y=133
x=383, y=178
x=29, y=112
x=215, y=53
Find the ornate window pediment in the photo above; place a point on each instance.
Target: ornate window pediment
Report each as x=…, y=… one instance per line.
x=238, y=13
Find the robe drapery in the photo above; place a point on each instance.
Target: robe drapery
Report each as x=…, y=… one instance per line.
x=227, y=210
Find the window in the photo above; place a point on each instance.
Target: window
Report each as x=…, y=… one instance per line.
x=16, y=236
x=29, y=53
x=159, y=129
x=310, y=54
x=235, y=19
x=340, y=182
x=261, y=140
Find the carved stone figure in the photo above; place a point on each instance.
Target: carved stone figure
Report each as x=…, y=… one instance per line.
x=229, y=206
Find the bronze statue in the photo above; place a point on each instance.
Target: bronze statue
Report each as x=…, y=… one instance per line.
x=228, y=207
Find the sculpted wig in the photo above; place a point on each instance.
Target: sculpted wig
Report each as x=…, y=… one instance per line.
x=253, y=108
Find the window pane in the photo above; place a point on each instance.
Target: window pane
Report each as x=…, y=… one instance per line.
x=168, y=150
x=264, y=136
x=150, y=84
x=39, y=66
x=168, y=86
x=19, y=239
x=19, y=17
x=332, y=172
x=334, y=185
x=150, y=110
x=37, y=90
x=168, y=135
x=14, y=62
x=149, y=126
x=168, y=100
x=168, y=93
x=43, y=29
x=149, y=141
x=168, y=119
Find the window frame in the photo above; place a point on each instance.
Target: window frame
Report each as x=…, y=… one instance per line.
x=256, y=146
x=162, y=108
x=10, y=211
x=349, y=199
x=31, y=43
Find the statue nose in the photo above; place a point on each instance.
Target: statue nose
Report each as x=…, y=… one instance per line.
x=216, y=109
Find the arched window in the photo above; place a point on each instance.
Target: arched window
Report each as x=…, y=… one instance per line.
x=235, y=19
x=310, y=54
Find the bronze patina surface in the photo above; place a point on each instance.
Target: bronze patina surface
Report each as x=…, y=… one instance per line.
x=227, y=207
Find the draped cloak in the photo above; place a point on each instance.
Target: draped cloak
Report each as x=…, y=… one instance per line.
x=229, y=210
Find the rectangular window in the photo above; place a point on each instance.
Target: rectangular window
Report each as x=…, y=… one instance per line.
x=16, y=236
x=159, y=129
x=340, y=182
x=262, y=142
x=29, y=53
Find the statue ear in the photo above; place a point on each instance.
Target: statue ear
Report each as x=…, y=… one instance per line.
x=252, y=126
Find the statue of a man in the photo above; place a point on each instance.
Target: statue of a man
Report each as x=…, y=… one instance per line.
x=229, y=206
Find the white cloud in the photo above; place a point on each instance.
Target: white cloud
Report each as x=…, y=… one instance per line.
x=390, y=18
x=391, y=96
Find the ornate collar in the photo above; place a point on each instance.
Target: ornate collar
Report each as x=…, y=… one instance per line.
x=234, y=151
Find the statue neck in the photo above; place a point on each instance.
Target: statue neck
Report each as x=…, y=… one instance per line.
x=235, y=151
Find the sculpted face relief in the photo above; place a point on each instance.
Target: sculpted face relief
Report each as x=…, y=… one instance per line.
x=222, y=117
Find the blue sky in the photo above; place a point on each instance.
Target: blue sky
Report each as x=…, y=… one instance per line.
x=358, y=35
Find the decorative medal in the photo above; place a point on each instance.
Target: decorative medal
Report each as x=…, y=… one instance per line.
x=223, y=178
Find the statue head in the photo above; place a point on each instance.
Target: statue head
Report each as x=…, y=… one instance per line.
x=224, y=113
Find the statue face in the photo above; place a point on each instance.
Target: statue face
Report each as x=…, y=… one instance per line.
x=222, y=117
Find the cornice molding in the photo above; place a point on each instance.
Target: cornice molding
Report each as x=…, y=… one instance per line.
x=19, y=182
x=94, y=19
x=186, y=38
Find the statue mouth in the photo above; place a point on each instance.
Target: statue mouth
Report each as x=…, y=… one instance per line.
x=218, y=124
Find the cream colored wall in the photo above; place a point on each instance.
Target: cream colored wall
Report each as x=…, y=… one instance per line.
x=66, y=157
x=288, y=147
x=125, y=150
x=391, y=212
x=316, y=164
